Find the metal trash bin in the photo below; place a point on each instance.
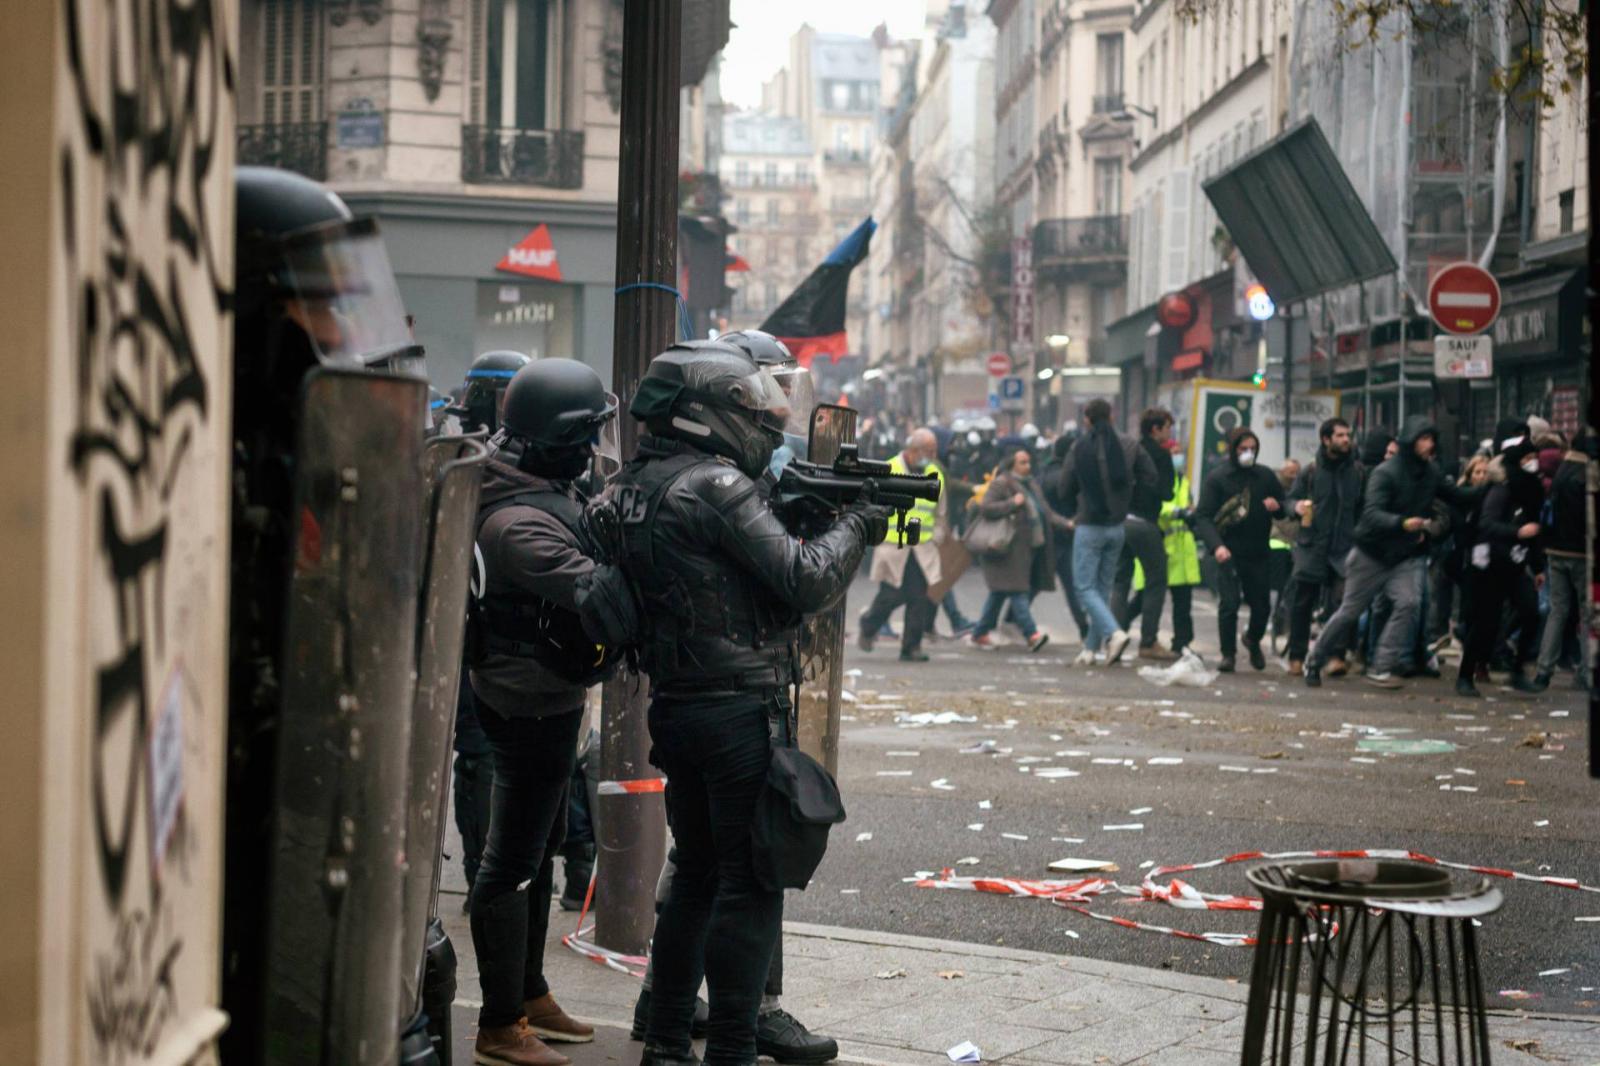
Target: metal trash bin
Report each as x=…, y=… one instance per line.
x=1366, y=960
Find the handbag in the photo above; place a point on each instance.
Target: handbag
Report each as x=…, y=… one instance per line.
x=988, y=538
x=798, y=804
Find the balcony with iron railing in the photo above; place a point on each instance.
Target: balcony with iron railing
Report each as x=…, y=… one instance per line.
x=298, y=146
x=1108, y=103
x=502, y=155
x=770, y=181
x=845, y=156
x=1098, y=239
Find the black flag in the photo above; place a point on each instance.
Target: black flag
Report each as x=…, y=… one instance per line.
x=811, y=320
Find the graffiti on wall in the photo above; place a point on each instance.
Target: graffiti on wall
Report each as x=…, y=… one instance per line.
x=144, y=155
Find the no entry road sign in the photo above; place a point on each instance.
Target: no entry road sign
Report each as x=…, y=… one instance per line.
x=1464, y=299
x=999, y=364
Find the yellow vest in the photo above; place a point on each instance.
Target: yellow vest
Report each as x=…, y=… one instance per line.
x=925, y=512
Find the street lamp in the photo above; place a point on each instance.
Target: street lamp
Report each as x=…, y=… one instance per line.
x=1058, y=340
x=1147, y=112
x=1047, y=373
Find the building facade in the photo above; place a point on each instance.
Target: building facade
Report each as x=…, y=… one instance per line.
x=484, y=137
x=768, y=174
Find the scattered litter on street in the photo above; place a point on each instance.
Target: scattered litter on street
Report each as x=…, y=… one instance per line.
x=1056, y=772
x=1189, y=671
x=1556, y=971
x=942, y=784
x=923, y=718
x=987, y=746
x=1130, y=826
x=862, y=838
x=1141, y=810
x=1164, y=760
x=903, y=754
x=1084, y=866
x=1405, y=746
x=951, y=975
x=970, y=860
x=894, y=773
x=966, y=1051
x=890, y=975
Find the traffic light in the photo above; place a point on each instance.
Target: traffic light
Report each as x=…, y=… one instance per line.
x=1259, y=379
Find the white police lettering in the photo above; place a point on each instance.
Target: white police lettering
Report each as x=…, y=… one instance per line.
x=725, y=481
x=632, y=505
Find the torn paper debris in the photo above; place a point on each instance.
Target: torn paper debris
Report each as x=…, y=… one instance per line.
x=966, y=1051
x=1073, y=866
x=923, y=718
x=1189, y=671
x=942, y=784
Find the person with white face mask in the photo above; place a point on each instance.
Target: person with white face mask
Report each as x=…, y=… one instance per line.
x=1238, y=500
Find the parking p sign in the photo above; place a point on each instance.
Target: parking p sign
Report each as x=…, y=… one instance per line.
x=1012, y=393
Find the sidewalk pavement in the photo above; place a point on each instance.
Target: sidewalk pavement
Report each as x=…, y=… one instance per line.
x=1026, y=1008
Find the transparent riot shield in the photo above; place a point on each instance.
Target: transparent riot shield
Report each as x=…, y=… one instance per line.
x=822, y=637
x=452, y=473
x=338, y=836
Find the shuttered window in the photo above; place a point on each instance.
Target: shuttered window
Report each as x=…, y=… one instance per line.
x=292, y=61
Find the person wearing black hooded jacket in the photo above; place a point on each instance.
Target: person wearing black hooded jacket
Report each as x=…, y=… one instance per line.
x=1238, y=500
x=1325, y=496
x=1503, y=558
x=1390, y=553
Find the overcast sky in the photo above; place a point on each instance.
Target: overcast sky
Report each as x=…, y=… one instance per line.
x=759, y=44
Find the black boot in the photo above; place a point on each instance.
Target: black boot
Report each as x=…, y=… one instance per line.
x=578, y=868
x=641, y=1016
x=500, y=942
x=1258, y=661
x=781, y=1036
x=1225, y=665
x=653, y=1057
x=1313, y=676
x=1465, y=688
x=1522, y=683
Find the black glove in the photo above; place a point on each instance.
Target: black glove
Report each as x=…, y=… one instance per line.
x=873, y=521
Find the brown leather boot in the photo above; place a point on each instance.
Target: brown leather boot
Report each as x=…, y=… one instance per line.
x=514, y=1045
x=1296, y=667
x=548, y=1020
x=1336, y=668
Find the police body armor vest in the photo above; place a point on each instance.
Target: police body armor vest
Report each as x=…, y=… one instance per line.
x=691, y=605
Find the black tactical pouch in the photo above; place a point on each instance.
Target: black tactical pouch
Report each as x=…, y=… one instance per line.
x=608, y=607
x=797, y=806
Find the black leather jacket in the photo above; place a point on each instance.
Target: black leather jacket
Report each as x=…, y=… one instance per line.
x=723, y=585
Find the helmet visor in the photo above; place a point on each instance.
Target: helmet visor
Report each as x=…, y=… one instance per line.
x=800, y=388
x=607, y=448
x=340, y=288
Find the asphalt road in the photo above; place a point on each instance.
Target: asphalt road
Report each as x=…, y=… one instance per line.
x=1267, y=764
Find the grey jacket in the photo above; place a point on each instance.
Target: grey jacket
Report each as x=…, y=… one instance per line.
x=1114, y=509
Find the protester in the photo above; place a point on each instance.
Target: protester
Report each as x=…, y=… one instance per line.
x=1098, y=480
x=1182, y=556
x=1234, y=518
x=1504, y=558
x=1323, y=499
x=1447, y=589
x=1391, y=543
x=1144, y=543
x=1051, y=482
x=905, y=572
x=1565, y=541
x=1024, y=571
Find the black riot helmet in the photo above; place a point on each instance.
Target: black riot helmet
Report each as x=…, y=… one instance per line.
x=313, y=282
x=557, y=417
x=487, y=381
x=714, y=397
x=795, y=380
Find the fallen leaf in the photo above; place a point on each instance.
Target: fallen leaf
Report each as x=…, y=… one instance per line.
x=1515, y=781
x=1535, y=739
x=951, y=975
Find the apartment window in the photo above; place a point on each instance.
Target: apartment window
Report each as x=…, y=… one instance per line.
x=1108, y=186
x=769, y=174
x=1108, y=71
x=1565, y=203
x=841, y=137
x=741, y=211
x=741, y=172
x=839, y=95
x=774, y=208
x=516, y=68
x=802, y=174
x=291, y=51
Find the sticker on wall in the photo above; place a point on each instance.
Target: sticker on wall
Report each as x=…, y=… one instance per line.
x=534, y=256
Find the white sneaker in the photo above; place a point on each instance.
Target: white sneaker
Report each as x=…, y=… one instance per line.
x=1116, y=645
x=1085, y=658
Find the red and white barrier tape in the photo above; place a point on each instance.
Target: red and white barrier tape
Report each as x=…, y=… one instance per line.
x=1072, y=895
x=637, y=787
x=633, y=965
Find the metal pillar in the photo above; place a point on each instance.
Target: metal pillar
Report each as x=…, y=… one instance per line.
x=631, y=829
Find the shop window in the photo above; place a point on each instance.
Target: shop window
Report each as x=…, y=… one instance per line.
x=538, y=319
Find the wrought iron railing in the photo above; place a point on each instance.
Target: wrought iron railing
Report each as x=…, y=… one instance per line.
x=298, y=146
x=1107, y=103
x=502, y=155
x=844, y=155
x=1098, y=237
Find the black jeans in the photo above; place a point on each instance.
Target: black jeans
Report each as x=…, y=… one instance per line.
x=1306, y=597
x=472, y=781
x=1182, y=616
x=1246, y=579
x=1064, y=575
x=1144, y=543
x=1493, y=590
x=714, y=750
x=913, y=595
x=533, y=760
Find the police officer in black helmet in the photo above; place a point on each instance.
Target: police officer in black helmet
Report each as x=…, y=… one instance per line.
x=723, y=588
x=488, y=378
x=530, y=666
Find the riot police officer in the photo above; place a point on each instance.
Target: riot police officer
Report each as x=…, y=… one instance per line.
x=723, y=587
x=530, y=666
x=779, y=1035
x=483, y=396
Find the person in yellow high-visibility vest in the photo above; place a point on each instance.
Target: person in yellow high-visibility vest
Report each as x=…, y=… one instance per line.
x=904, y=574
x=1183, y=559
